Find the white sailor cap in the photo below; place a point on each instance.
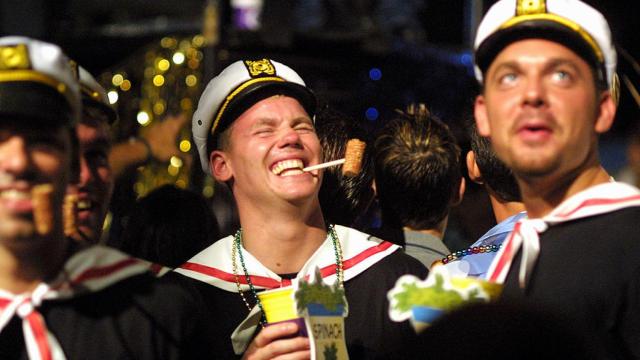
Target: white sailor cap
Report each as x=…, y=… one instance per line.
x=93, y=94
x=571, y=23
x=238, y=87
x=37, y=81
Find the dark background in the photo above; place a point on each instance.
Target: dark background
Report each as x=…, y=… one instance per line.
x=423, y=56
x=365, y=58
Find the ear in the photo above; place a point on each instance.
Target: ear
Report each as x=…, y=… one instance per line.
x=472, y=168
x=461, y=189
x=480, y=114
x=220, y=166
x=606, y=114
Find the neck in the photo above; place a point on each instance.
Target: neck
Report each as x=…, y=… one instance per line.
x=283, y=241
x=505, y=209
x=541, y=196
x=437, y=231
x=23, y=267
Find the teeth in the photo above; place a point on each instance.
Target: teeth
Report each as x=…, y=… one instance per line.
x=293, y=172
x=84, y=204
x=284, y=165
x=15, y=195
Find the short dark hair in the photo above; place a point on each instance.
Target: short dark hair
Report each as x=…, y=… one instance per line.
x=343, y=199
x=93, y=115
x=496, y=175
x=417, y=166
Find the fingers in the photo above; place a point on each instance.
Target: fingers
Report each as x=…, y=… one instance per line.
x=274, y=332
x=275, y=342
x=181, y=119
x=294, y=348
x=175, y=123
x=299, y=355
x=162, y=137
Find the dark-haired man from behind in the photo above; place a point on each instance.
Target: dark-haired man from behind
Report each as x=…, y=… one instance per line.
x=547, y=68
x=485, y=168
x=418, y=180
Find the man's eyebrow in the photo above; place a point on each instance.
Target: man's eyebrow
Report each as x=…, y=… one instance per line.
x=264, y=121
x=509, y=65
x=554, y=62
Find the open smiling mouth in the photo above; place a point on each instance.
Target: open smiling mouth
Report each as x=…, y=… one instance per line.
x=84, y=204
x=288, y=167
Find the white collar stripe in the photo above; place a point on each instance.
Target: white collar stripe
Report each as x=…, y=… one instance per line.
x=597, y=200
x=91, y=269
x=498, y=270
x=214, y=266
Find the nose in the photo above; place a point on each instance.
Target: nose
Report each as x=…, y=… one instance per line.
x=290, y=138
x=86, y=174
x=14, y=155
x=534, y=92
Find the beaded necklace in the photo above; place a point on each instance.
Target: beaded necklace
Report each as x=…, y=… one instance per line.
x=236, y=249
x=470, y=251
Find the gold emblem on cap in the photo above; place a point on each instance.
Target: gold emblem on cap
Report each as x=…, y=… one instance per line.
x=527, y=7
x=535, y=10
x=14, y=57
x=260, y=67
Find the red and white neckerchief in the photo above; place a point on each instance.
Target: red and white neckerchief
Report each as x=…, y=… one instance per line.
x=214, y=266
x=92, y=269
x=599, y=199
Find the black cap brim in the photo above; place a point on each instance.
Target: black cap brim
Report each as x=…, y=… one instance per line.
x=262, y=90
x=109, y=112
x=34, y=101
x=536, y=29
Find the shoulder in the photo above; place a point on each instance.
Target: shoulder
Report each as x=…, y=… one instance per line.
x=400, y=263
x=141, y=316
x=396, y=260
x=621, y=223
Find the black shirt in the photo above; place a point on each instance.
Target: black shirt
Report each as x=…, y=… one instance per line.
x=137, y=318
x=588, y=271
x=369, y=332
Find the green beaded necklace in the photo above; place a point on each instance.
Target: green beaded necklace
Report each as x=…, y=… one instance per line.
x=236, y=250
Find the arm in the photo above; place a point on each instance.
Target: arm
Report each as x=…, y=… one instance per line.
x=158, y=141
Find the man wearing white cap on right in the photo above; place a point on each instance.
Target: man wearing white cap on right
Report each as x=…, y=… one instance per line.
x=546, y=70
x=254, y=130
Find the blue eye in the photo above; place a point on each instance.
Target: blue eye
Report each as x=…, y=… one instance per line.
x=561, y=75
x=508, y=78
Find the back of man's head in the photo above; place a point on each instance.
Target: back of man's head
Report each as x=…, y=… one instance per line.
x=343, y=198
x=495, y=174
x=417, y=170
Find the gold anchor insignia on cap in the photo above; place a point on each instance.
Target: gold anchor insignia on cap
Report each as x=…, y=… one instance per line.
x=527, y=7
x=14, y=57
x=260, y=67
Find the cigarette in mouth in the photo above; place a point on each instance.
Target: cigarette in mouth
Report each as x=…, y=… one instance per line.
x=42, y=208
x=69, y=214
x=352, y=159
